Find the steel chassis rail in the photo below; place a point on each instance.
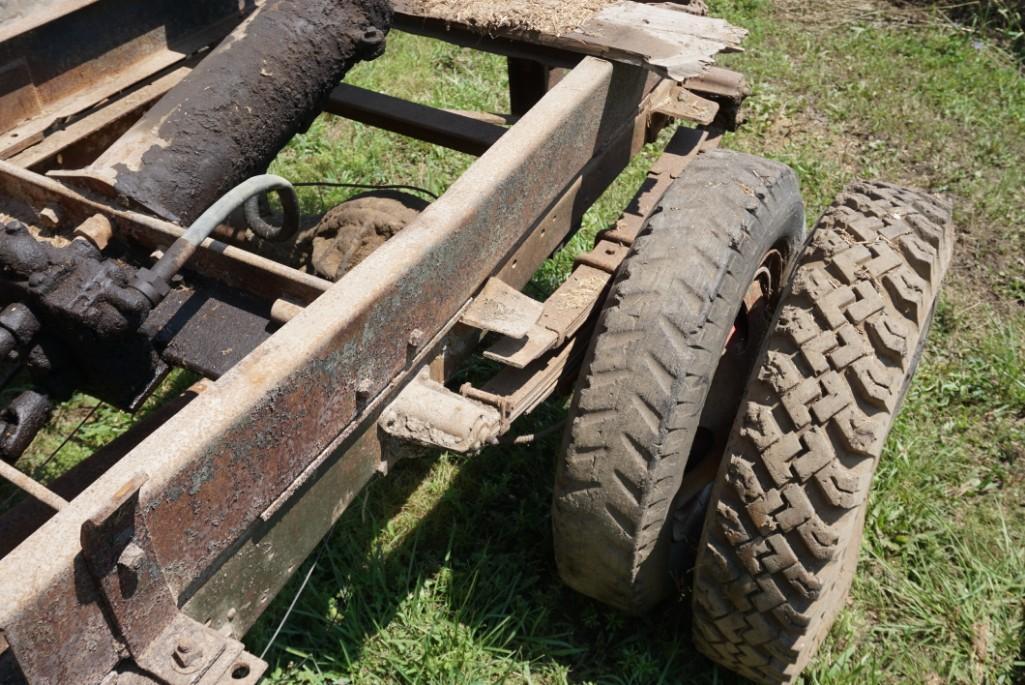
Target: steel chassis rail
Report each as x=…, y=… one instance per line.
x=192, y=532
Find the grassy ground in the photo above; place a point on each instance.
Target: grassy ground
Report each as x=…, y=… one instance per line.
x=443, y=572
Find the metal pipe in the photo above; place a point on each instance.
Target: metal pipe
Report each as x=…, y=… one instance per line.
x=37, y=490
x=155, y=282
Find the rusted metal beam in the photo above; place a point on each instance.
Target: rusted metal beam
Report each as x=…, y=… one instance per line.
x=238, y=455
x=21, y=16
x=21, y=520
x=442, y=127
x=242, y=587
x=127, y=108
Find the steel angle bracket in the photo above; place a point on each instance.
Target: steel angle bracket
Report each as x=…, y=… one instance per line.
x=167, y=646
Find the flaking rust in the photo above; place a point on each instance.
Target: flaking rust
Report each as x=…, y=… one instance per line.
x=231, y=116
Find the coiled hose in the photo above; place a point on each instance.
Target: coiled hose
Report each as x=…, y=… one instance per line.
x=154, y=283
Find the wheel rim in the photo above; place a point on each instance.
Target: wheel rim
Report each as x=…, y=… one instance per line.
x=740, y=351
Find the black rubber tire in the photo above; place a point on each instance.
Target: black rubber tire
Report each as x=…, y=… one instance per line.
x=784, y=524
x=647, y=372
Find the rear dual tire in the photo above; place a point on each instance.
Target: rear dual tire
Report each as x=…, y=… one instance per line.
x=784, y=524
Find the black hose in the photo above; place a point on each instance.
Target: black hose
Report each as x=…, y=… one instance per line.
x=289, y=223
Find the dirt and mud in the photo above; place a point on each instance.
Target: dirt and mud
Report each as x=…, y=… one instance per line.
x=350, y=232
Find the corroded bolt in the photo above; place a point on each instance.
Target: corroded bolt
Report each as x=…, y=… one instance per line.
x=373, y=36
x=49, y=218
x=363, y=390
x=187, y=653
x=416, y=338
x=131, y=557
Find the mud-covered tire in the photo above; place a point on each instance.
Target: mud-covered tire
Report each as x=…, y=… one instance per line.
x=783, y=529
x=647, y=372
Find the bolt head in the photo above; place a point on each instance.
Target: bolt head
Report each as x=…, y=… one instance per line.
x=416, y=338
x=132, y=557
x=187, y=653
x=364, y=388
x=49, y=218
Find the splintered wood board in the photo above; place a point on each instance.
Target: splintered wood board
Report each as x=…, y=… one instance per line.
x=664, y=37
x=546, y=16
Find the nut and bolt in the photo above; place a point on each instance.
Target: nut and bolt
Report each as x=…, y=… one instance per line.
x=363, y=390
x=373, y=36
x=131, y=557
x=187, y=653
x=416, y=338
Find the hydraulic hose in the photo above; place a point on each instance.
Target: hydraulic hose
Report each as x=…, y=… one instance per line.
x=155, y=283
x=289, y=225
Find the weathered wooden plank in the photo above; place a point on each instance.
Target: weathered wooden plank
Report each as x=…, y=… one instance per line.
x=671, y=20
x=665, y=38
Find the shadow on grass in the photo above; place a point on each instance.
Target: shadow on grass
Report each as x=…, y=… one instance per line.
x=443, y=572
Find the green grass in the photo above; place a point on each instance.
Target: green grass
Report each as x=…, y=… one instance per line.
x=443, y=572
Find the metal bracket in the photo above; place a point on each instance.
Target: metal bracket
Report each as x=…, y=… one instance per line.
x=170, y=647
x=681, y=103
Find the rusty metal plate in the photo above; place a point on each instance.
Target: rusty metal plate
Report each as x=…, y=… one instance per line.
x=502, y=309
